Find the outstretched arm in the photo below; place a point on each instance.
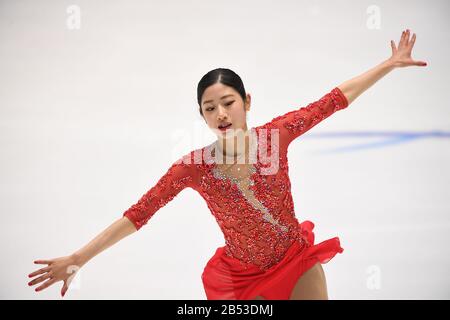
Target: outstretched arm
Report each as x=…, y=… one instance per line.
x=401, y=57
x=178, y=176
x=65, y=268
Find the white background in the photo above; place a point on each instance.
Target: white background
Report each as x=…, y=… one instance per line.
x=90, y=118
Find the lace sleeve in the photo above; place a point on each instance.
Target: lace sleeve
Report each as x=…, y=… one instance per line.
x=179, y=176
x=294, y=123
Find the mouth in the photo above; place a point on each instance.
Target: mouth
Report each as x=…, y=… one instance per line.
x=224, y=126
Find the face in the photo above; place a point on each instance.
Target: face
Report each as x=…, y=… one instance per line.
x=221, y=105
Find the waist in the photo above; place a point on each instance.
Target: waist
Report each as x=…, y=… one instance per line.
x=265, y=256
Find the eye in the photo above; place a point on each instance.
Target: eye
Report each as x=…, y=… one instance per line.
x=212, y=108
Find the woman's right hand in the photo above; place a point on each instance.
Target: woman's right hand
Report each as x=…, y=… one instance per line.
x=65, y=268
x=58, y=269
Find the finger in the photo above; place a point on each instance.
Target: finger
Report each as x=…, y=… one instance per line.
x=42, y=261
x=394, y=48
x=64, y=288
x=38, y=280
x=46, y=284
x=413, y=40
x=407, y=37
x=402, y=40
x=420, y=63
x=35, y=273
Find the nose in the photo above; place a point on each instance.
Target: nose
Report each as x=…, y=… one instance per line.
x=221, y=115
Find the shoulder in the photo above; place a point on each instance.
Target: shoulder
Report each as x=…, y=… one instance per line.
x=190, y=159
x=188, y=165
x=270, y=132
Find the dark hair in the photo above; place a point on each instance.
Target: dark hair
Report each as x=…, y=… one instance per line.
x=221, y=75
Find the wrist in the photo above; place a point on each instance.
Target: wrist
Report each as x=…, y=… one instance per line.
x=78, y=259
x=390, y=64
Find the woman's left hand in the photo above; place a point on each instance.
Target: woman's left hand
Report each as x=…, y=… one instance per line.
x=401, y=56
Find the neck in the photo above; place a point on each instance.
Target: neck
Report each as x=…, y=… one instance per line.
x=235, y=145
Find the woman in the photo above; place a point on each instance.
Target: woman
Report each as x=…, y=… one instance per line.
x=243, y=177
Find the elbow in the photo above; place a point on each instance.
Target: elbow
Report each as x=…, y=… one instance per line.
x=348, y=94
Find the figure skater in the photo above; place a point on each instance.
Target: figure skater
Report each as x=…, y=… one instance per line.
x=267, y=254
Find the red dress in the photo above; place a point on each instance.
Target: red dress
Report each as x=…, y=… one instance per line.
x=266, y=248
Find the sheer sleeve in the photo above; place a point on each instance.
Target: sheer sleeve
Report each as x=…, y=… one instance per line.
x=294, y=123
x=179, y=176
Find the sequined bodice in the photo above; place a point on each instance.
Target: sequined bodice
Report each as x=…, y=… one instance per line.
x=255, y=211
x=252, y=203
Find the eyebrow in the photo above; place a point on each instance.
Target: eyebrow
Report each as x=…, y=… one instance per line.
x=220, y=98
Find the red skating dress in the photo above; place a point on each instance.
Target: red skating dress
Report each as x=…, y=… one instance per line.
x=266, y=248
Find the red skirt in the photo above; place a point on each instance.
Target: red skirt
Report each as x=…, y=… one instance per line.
x=224, y=278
